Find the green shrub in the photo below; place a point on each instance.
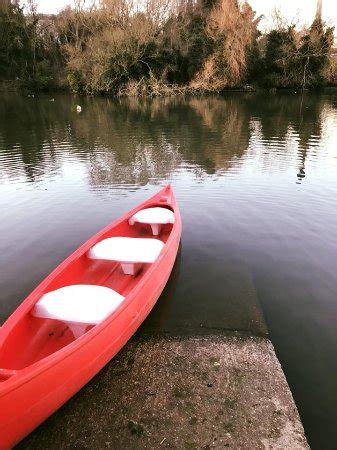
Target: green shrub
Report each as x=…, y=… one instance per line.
x=74, y=82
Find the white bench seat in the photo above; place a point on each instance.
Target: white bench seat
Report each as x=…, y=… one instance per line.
x=78, y=305
x=155, y=217
x=128, y=251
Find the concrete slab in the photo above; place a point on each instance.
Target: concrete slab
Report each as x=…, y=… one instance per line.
x=187, y=393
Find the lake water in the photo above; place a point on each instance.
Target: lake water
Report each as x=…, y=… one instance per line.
x=255, y=176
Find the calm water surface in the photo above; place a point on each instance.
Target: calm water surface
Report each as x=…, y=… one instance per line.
x=256, y=180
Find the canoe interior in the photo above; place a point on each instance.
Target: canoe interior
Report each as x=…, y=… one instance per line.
x=32, y=339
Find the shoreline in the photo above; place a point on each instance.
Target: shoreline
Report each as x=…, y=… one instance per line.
x=16, y=86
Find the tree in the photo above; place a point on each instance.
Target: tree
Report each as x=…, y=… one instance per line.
x=232, y=29
x=279, y=62
x=15, y=41
x=314, y=54
x=298, y=58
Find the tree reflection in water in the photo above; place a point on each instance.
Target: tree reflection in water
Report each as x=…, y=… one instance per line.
x=132, y=141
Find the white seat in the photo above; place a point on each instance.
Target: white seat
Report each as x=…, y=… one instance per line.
x=156, y=217
x=128, y=251
x=78, y=305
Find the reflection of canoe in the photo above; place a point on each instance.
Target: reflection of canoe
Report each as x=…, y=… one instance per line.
x=81, y=315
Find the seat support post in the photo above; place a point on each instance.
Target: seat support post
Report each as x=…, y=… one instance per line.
x=77, y=328
x=156, y=228
x=131, y=268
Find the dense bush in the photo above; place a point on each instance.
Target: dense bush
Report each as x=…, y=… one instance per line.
x=29, y=52
x=232, y=30
x=202, y=44
x=132, y=47
x=297, y=59
x=315, y=54
x=16, y=52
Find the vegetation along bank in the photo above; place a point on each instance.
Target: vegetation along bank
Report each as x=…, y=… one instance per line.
x=159, y=47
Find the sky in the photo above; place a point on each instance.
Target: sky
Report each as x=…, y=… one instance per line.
x=303, y=10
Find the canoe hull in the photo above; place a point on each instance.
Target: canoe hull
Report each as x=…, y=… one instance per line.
x=32, y=399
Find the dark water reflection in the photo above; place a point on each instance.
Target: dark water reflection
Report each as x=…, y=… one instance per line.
x=256, y=179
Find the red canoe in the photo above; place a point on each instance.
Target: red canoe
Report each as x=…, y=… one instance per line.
x=83, y=313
